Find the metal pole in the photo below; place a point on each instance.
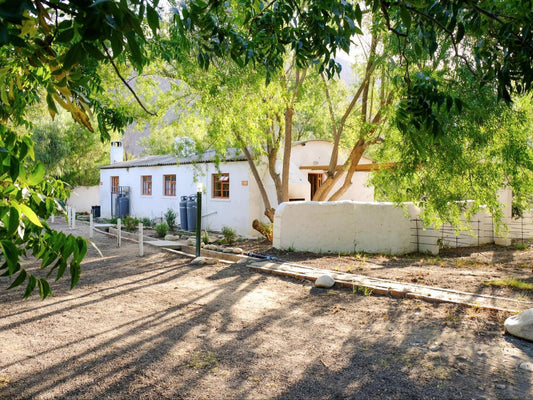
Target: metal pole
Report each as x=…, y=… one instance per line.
x=198, y=221
x=119, y=232
x=141, y=248
x=91, y=226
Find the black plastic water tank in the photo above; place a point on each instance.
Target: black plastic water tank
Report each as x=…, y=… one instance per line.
x=191, y=213
x=123, y=206
x=183, y=213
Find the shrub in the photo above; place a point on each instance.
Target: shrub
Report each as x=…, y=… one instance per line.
x=161, y=229
x=146, y=221
x=130, y=223
x=170, y=217
x=205, y=237
x=229, y=235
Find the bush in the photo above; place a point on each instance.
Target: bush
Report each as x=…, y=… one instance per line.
x=229, y=235
x=130, y=223
x=161, y=229
x=205, y=237
x=146, y=221
x=170, y=217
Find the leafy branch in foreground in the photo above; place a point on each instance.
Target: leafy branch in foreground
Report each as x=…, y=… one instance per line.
x=28, y=200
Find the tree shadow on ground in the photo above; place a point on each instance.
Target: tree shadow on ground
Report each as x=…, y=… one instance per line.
x=173, y=330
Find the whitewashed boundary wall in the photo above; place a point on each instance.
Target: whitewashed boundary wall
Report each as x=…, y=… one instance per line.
x=349, y=226
x=520, y=228
x=344, y=226
x=82, y=198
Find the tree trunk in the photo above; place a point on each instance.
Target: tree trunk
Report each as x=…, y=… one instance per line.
x=355, y=157
x=289, y=111
x=272, y=149
x=258, y=180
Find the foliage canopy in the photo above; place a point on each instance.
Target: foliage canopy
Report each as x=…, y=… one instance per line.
x=59, y=51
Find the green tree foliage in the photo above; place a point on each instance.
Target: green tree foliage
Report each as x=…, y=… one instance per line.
x=52, y=50
x=487, y=147
x=69, y=151
x=58, y=51
x=28, y=199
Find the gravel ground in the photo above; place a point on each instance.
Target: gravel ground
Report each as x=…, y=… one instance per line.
x=158, y=327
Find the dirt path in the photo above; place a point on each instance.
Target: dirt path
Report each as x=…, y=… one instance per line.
x=157, y=327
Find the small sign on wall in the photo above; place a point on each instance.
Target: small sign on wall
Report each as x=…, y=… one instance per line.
x=244, y=183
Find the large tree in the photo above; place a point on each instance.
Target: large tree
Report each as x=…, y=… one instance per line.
x=54, y=49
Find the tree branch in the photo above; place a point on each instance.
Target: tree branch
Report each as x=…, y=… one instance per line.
x=126, y=82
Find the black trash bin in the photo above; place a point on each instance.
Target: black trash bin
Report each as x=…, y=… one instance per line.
x=95, y=211
x=183, y=213
x=191, y=213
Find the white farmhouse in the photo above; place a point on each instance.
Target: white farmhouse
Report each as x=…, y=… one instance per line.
x=231, y=196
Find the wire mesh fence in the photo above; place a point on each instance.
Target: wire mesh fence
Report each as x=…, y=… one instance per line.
x=482, y=231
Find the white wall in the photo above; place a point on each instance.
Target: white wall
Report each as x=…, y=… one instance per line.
x=348, y=226
x=520, y=228
x=344, y=226
x=233, y=212
x=82, y=198
x=318, y=153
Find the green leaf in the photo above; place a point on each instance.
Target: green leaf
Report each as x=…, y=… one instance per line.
x=20, y=279
x=117, y=43
x=65, y=36
x=73, y=56
x=13, y=221
x=153, y=18
x=11, y=255
x=30, y=214
x=135, y=51
x=75, y=273
x=37, y=175
x=32, y=281
x=460, y=32
x=405, y=15
x=44, y=288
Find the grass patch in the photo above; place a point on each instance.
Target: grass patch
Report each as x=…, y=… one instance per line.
x=203, y=360
x=511, y=283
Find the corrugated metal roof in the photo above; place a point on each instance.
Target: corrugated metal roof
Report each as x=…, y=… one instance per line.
x=153, y=161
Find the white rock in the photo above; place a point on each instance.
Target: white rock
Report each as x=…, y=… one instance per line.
x=203, y=261
x=171, y=237
x=227, y=250
x=526, y=366
x=191, y=242
x=521, y=325
x=211, y=247
x=324, y=281
x=237, y=250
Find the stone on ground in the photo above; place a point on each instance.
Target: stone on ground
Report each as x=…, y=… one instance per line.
x=237, y=250
x=521, y=325
x=324, y=281
x=204, y=261
x=171, y=237
x=211, y=247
